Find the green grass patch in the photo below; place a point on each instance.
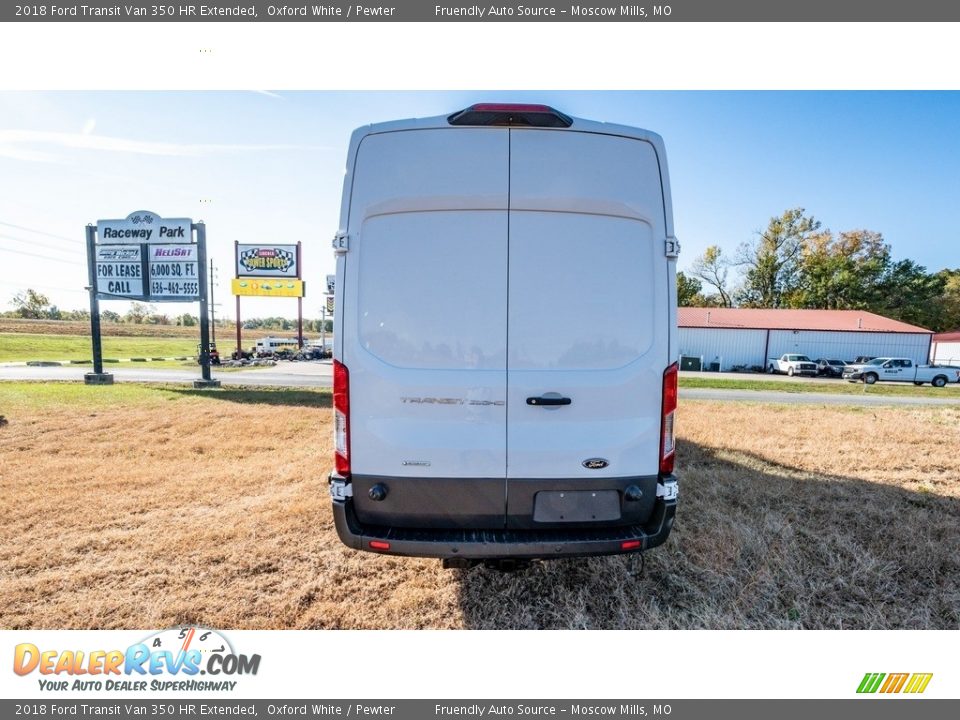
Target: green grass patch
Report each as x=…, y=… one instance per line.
x=838, y=387
x=20, y=396
x=20, y=347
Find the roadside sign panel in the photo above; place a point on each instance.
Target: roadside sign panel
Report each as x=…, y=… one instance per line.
x=119, y=272
x=174, y=275
x=331, y=284
x=144, y=226
x=268, y=288
x=329, y=304
x=267, y=261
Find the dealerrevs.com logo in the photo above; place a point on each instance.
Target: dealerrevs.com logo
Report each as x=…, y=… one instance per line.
x=179, y=659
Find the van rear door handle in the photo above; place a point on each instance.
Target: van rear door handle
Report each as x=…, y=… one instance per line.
x=549, y=399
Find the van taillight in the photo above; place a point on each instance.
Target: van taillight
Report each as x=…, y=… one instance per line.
x=510, y=114
x=341, y=417
x=667, y=413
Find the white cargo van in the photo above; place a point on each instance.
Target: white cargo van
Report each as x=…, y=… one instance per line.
x=504, y=356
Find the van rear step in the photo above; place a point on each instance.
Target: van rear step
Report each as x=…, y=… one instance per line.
x=503, y=543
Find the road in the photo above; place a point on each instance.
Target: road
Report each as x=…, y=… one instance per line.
x=283, y=375
x=320, y=374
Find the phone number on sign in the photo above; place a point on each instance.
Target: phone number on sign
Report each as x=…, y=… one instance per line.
x=187, y=289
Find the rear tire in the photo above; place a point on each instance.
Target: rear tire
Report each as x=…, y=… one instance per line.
x=870, y=378
x=770, y=369
x=939, y=381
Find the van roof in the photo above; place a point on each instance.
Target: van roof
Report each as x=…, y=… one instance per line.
x=578, y=124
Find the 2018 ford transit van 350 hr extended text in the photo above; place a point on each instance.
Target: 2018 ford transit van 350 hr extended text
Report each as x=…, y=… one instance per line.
x=504, y=375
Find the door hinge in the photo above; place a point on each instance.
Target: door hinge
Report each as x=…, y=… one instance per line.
x=341, y=243
x=340, y=489
x=668, y=490
x=671, y=247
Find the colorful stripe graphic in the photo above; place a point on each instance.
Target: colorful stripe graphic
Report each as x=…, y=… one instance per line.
x=894, y=683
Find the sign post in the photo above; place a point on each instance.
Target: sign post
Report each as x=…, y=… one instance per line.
x=152, y=259
x=98, y=376
x=205, y=379
x=268, y=271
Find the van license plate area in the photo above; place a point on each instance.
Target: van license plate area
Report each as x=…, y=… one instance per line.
x=576, y=506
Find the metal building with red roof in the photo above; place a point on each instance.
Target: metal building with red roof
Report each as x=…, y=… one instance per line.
x=728, y=337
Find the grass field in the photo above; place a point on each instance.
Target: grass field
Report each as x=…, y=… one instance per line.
x=22, y=346
x=133, y=506
x=23, y=340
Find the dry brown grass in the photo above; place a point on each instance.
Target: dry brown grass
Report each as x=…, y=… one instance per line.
x=126, y=517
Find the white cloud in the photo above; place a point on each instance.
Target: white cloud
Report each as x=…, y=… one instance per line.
x=21, y=144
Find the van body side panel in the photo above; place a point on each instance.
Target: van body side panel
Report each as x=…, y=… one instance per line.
x=424, y=327
x=588, y=318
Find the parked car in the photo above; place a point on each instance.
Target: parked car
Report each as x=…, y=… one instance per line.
x=792, y=364
x=830, y=368
x=900, y=370
x=446, y=445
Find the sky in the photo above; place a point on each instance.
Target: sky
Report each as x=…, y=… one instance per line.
x=267, y=167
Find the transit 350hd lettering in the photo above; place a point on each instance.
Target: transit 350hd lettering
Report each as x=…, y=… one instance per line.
x=505, y=339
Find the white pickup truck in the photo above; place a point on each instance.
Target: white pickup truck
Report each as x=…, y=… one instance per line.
x=900, y=370
x=792, y=364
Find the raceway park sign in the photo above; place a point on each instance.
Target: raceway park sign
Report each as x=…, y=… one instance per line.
x=144, y=226
x=267, y=261
x=146, y=257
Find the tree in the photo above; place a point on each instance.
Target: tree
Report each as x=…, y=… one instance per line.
x=186, y=320
x=713, y=268
x=909, y=293
x=108, y=316
x=138, y=312
x=949, y=302
x=687, y=289
x=772, y=261
x=842, y=273
x=31, y=304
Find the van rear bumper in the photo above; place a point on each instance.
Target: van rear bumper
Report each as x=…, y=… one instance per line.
x=504, y=543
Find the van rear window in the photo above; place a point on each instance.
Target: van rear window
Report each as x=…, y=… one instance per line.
x=432, y=289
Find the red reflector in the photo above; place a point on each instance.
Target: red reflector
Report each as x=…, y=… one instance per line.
x=379, y=545
x=629, y=544
x=510, y=114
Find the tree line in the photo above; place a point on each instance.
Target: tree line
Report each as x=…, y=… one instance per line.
x=34, y=305
x=796, y=263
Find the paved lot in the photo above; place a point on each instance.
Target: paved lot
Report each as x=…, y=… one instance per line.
x=320, y=374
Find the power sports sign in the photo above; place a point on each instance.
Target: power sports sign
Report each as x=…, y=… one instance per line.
x=278, y=261
x=146, y=257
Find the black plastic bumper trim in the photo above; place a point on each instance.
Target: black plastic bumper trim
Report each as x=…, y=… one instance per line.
x=505, y=543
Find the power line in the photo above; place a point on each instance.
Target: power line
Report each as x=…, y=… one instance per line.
x=43, y=287
x=38, y=232
x=44, y=257
x=41, y=244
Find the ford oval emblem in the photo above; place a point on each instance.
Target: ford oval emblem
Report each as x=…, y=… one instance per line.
x=595, y=464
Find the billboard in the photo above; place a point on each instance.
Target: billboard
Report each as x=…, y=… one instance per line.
x=268, y=261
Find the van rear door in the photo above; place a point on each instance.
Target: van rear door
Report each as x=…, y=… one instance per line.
x=425, y=293
x=588, y=326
